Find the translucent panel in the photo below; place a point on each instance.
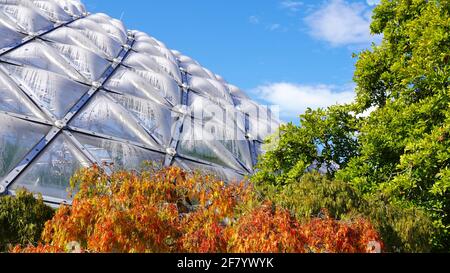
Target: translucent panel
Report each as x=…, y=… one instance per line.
x=226, y=124
x=223, y=111
x=262, y=121
x=238, y=147
x=106, y=117
x=57, y=93
x=94, y=32
x=150, y=49
x=144, y=37
x=114, y=28
x=221, y=173
x=236, y=92
x=74, y=37
x=259, y=147
x=39, y=55
x=26, y=18
x=261, y=127
x=204, y=143
x=157, y=64
x=89, y=64
x=145, y=84
x=53, y=11
x=156, y=118
x=51, y=171
x=221, y=79
x=210, y=88
x=9, y=34
x=197, y=71
x=13, y=100
x=121, y=155
x=115, y=32
x=17, y=139
x=176, y=53
x=167, y=86
x=119, y=25
x=127, y=81
x=185, y=60
x=73, y=7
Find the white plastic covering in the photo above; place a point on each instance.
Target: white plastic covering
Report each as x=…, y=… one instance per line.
x=17, y=138
x=50, y=174
x=114, y=97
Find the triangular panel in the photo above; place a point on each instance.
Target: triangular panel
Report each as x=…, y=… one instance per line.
x=94, y=32
x=41, y=56
x=225, y=123
x=117, y=154
x=52, y=10
x=17, y=139
x=9, y=34
x=50, y=173
x=27, y=18
x=210, y=88
x=154, y=63
x=129, y=82
x=197, y=142
x=104, y=116
x=221, y=173
x=57, y=93
x=156, y=118
x=13, y=100
x=71, y=36
x=110, y=26
x=169, y=87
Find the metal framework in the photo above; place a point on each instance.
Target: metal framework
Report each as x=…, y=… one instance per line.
x=63, y=127
x=60, y=126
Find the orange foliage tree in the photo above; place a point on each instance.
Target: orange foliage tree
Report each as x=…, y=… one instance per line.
x=171, y=210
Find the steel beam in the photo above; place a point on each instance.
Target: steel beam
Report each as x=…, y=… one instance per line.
x=116, y=139
x=250, y=140
x=61, y=125
x=32, y=155
x=34, y=36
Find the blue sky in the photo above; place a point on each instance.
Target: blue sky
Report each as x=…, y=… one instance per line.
x=295, y=54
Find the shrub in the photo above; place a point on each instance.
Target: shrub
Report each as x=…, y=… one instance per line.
x=22, y=219
x=312, y=193
x=403, y=228
x=171, y=210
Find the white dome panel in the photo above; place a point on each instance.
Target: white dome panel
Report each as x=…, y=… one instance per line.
x=78, y=89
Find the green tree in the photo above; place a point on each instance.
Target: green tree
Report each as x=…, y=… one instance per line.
x=22, y=219
x=403, y=229
x=398, y=155
x=327, y=139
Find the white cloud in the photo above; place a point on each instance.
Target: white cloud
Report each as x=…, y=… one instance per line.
x=293, y=6
x=254, y=20
x=341, y=23
x=274, y=27
x=373, y=2
x=294, y=99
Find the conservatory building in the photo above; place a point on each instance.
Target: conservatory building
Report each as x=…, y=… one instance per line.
x=78, y=89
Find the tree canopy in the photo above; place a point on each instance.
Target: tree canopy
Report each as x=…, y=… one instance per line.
x=393, y=142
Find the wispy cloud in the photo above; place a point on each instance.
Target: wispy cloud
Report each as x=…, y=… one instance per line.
x=341, y=23
x=294, y=99
x=293, y=6
x=277, y=27
x=373, y=2
x=254, y=20
x=274, y=27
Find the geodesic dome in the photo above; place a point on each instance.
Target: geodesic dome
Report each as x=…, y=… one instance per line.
x=78, y=89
